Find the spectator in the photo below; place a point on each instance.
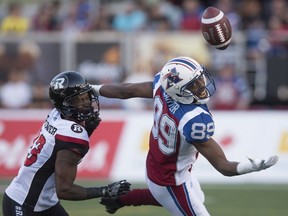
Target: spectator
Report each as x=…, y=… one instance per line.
x=229, y=8
x=132, y=19
x=157, y=20
x=47, y=18
x=232, y=90
x=15, y=22
x=163, y=16
x=254, y=25
x=17, y=92
x=191, y=17
x=21, y=56
x=77, y=19
x=102, y=20
x=278, y=25
x=40, y=96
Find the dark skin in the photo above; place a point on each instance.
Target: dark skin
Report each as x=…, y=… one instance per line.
x=65, y=173
x=67, y=162
x=209, y=149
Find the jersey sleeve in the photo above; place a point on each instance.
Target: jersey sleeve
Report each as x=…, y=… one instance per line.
x=199, y=128
x=73, y=137
x=156, y=83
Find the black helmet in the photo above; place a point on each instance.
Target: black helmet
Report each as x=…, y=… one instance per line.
x=63, y=90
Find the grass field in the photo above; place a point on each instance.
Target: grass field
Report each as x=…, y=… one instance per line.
x=221, y=200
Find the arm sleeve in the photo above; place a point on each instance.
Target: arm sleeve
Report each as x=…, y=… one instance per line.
x=199, y=129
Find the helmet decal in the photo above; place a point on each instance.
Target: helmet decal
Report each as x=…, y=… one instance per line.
x=58, y=83
x=172, y=78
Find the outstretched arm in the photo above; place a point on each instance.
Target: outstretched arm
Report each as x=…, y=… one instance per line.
x=65, y=174
x=125, y=90
x=215, y=155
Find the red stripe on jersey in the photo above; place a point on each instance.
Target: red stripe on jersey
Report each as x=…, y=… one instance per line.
x=72, y=140
x=181, y=198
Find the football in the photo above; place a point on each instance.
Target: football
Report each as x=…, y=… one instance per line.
x=216, y=28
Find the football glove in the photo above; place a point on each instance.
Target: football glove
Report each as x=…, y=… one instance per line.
x=255, y=165
x=116, y=189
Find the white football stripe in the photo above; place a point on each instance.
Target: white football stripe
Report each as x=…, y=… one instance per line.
x=223, y=44
x=214, y=19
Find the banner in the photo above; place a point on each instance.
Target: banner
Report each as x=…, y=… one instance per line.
x=18, y=131
x=119, y=146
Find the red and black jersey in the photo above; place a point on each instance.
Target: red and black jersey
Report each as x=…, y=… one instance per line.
x=34, y=186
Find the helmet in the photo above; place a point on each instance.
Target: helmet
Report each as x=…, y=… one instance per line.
x=65, y=91
x=186, y=81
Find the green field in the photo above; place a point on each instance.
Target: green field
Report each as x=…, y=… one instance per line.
x=221, y=200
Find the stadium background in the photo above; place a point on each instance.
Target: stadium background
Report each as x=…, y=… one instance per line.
x=109, y=54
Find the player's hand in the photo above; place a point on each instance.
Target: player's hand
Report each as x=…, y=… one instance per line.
x=256, y=164
x=116, y=189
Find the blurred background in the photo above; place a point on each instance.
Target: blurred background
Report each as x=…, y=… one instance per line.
x=129, y=41
x=119, y=41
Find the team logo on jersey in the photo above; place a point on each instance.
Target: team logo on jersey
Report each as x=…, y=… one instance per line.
x=76, y=128
x=172, y=78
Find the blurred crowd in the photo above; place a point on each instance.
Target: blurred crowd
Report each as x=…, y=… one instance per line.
x=81, y=16
x=135, y=15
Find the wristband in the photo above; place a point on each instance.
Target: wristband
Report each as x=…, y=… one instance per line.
x=243, y=168
x=97, y=89
x=95, y=192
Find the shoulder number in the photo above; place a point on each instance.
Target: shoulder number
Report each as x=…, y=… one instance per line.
x=201, y=131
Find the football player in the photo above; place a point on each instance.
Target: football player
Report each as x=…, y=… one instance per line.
x=183, y=127
x=50, y=168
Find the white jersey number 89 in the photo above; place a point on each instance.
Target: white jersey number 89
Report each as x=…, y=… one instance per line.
x=165, y=129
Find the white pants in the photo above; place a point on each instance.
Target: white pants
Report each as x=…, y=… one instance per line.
x=186, y=199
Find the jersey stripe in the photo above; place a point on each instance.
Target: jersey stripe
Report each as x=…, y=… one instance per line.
x=180, y=195
x=39, y=180
x=188, y=198
x=191, y=64
x=171, y=192
x=71, y=140
x=190, y=115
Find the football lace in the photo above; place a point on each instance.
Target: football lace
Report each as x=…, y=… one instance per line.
x=220, y=33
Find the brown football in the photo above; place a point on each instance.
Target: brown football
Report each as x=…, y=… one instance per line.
x=216, y=28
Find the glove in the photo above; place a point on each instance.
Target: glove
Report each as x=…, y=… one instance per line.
x=116, y=189
x=256, y=165
x=92, y=123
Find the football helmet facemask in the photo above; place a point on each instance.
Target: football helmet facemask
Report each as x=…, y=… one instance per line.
x=186, y=81
x=73, y=97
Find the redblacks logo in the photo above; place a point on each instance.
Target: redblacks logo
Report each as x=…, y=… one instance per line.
x=16, y=139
